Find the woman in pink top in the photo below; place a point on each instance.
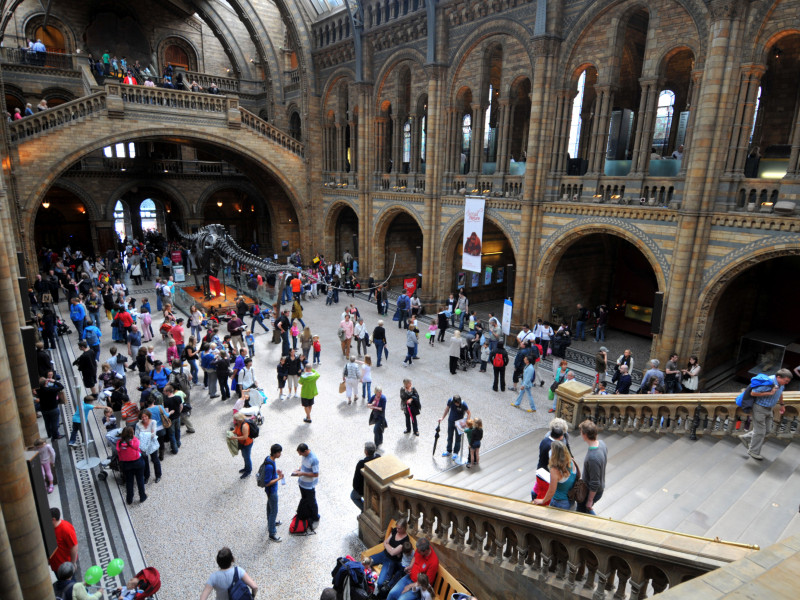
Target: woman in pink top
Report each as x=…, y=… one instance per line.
x=131, y=463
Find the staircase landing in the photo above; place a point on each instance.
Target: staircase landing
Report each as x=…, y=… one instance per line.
x=708, y=487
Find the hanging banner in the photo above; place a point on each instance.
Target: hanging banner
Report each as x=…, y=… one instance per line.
x=410, y=285
x=506, y=324
x=214, y=286
x=474, y=207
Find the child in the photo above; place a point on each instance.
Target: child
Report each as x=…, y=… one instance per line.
x=317, y=350
x=602, y=389
x=46, y=456
x=109, y=420
x=408, y=555
x=172, y=352
x=432, y=332
x=475, y=442
x=471, y=322
x=422, y=587
x=250, y=341
x=366, y=378
x=295, y=330
x=484, y=356
x=283, y=375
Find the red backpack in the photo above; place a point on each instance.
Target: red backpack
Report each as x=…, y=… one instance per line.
x=498, y=361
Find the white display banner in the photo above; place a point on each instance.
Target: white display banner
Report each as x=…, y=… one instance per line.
x=506, y=324
x=474, y=207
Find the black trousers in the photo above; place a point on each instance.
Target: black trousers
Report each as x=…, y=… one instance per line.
x=411, y=421
x=453, y=364
x=307, y=508
x=499, y=372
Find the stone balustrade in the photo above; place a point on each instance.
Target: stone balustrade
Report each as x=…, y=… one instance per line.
x=271, y=132
x=153, y=96
x=225, y=84
x=60, y=116
x=504, y=548
x=702, y=414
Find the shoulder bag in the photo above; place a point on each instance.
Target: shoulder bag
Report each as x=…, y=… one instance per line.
x=166, y=422
x=580, y=490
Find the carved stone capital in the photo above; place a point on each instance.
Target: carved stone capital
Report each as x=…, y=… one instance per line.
x=726, y=9
x=545, y=45
x=436, y=71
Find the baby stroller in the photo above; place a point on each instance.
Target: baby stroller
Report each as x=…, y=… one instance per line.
x=62, y=328
x=258, y=398
x=149, y=582
x=465, y=359
x=111, y=465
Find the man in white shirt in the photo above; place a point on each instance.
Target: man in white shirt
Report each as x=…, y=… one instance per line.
x=526, y=335
x=543, y=331
x=678, y=154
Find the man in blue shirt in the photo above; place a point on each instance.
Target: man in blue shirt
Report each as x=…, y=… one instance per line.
x=308, y=476
x=403, y=304
x=160, y=375
x=457, y=409
x=272, y=475
x=92, y=336
x=766, y=397
x=77, y=313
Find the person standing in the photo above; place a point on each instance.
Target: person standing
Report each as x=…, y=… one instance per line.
x=379, y=338
x=347, y=329
x=307, y=478
x=235, y=328
x=402, y=310
x=462, y=304
x=131, y=463
x=377, y=405
x=580, y=322
x=456, y=408
x=411, y=405
x=221, y=581
x=272, y=475
x=411, y=345
x=602, y=321
x=66, y=541
x=241, y=433
x=766, y=397
x=173, y=406
x=87, y=365
x=624, y=381
x=49, y=394
x=672, y=375
x=357, y=494
x=308, y=390
x=77, y=313
x=499, y=360
x=528, y=378
x=594, y=467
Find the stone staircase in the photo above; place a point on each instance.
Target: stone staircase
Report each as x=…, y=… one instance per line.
x=708, y=487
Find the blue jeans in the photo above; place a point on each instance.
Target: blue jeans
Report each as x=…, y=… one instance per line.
x=403, y=320
x=397, y=590
x=156, y=465
x=272, y=509
x=357, y=500
x=96, y=350
x=197, y=330
x=193, y=369
x=600, y=334
x=246, y=450
x=565, y=504
x=79, y=328
x=451, y=432
x=174, y=434
x=317, y=355
x=95, y=316
x=51, y=418
x=582, y=505
x=377, y=431
x=286, y=348
x=409, y=354
x=76, y=429
x=390, y=565
x=259, y=318
x=522, y=391
x=461, y=320
x=366, y=389
x=416, y=349
x=379, y=344
x=580, y=330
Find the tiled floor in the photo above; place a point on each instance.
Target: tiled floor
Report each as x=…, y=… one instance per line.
x=201, y=504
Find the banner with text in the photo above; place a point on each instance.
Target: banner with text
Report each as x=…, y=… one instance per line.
x=474, y=207
x=506, y=324
x=410, y=285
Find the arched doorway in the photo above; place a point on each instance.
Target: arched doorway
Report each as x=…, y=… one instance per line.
x=402, y=236
x=52, y=38
x=747, y=332
x=345, y=233
x=495, y=282
x=63, y=219
x=147, y=208
x=601, y=268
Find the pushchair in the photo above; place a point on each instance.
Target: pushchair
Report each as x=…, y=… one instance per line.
x=111, y=465
x=252, y=410
x=465, y=359
x=62, y=328
x=148, y=583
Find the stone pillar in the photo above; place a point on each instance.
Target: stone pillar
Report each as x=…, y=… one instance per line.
x=397, y=145
x=558, y=159
x=454, y=139
x=378, y=510
x=16, y=494
x=715, y=104
x=570, y=401
x=693, y=96
x=749, y=82
x=605, y=103
x=353, y=126
x=504, y=137
x=794, y=156
x=366, y=153
x=413, y=155
x=645, y=124
x=476, y=145
x=9, y=584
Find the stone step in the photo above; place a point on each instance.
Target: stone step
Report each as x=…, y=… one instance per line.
x=620, y=464
x=762, y=511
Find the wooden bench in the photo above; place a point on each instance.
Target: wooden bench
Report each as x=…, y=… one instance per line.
x=444, y=586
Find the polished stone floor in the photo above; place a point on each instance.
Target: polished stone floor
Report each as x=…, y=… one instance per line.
x=201, y=504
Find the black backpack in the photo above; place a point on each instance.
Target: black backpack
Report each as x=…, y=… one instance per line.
x=254, y=431
x=350, y=572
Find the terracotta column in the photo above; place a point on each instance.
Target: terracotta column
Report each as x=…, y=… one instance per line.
x=397, y=145
x=605, y=103
x=353, y=127
x=694, y=95
x=476, y=147
x=750, y=80
x=645, y=124
x=413, y=155
x=365, y=153
x=504, y=137
x=9, y=584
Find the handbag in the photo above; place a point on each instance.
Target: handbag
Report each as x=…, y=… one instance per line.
x=342, y=387
x=580, y=490
x=166, y=422
x=47, y=298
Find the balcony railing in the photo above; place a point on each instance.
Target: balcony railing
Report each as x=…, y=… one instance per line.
x=137, y=94
x=57, y=117
x=97, y=164
x=47, y=60
x=225, y=84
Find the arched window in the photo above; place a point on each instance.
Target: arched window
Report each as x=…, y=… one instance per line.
x=422, y=137
x=755, y=116
x=147, y=212
x=666, y=107
x=575, y=120
x=295, y=127
x=466, y=133
x=488, y=132
x=119, y=219
x=407, y=141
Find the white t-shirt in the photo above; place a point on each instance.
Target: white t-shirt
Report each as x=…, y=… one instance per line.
x=222, y=580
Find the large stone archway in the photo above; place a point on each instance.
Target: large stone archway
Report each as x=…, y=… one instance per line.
x=341, y=230
x=386, y=247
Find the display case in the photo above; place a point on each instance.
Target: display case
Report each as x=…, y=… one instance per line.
x=765, y=352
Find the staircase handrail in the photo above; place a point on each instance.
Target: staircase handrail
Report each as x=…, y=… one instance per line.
x=696, y=413
x=168, y=98
x=58, y=116
x=541, y=543
x=224, y=83
x=269, y=131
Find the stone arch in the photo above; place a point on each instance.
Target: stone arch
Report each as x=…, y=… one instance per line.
x=382, y=221
x=772, y=35
x=714, y=285
x=95, y=211
x=185, y=208
x=35, y=20
x=224, y=185
x=225, y=143
x=579, y=26
x=667, y=54
x=182, y=43
x=333, y=81
x=57, y=93
x=495, y=27
x=398, y=58
x=330, y=221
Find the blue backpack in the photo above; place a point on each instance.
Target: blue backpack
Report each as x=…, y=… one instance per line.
x=745, y=400
x=238, y=589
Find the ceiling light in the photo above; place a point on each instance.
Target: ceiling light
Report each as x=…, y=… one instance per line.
x=219, y=203
x=46, y=204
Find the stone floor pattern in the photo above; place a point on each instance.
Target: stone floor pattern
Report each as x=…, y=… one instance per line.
x=201, y=504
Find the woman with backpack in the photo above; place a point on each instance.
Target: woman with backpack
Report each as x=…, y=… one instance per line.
x=241, y=433
x=228, y=579
x=499, y=360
